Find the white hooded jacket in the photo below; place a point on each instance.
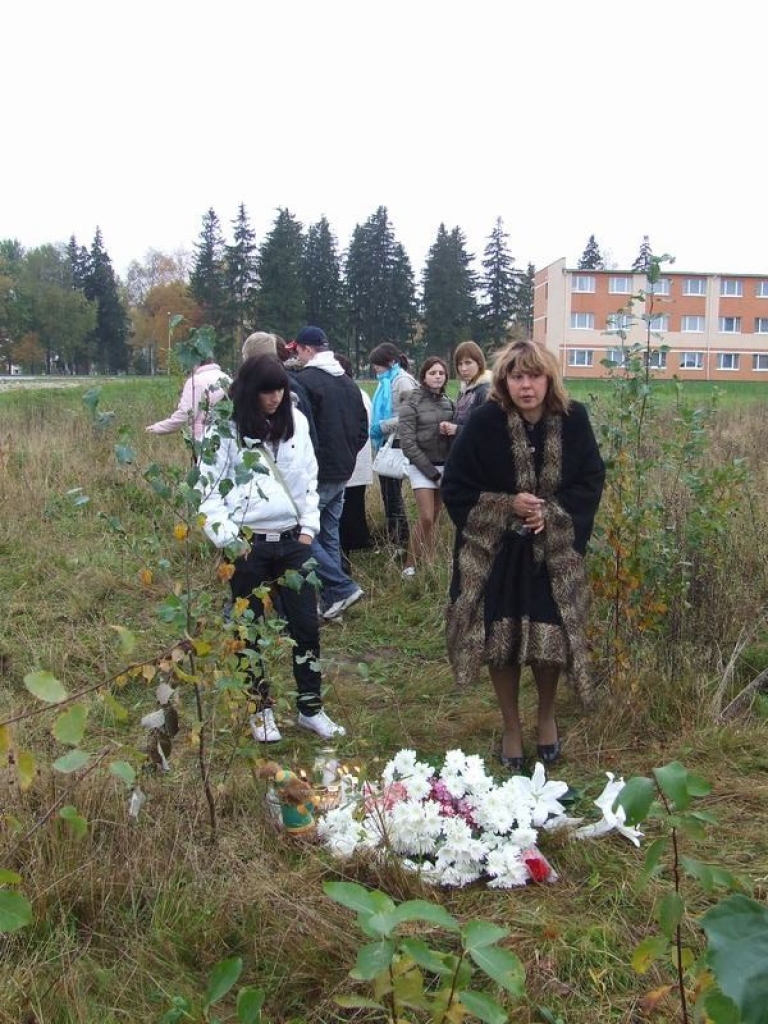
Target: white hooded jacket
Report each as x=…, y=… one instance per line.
x=258, y=500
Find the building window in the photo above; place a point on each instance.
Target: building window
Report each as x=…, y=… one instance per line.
x=583, y=283
x=727, y=360
x=732, y=287
x=694, y=286
x=661, y=287
x=691, y=360
x=761, y=325
x=580, y=357
x=730, y=325
x=617, y=356
x=692, y=324
x=659, y=323
x=760, y=361
x=656, y=359
x=762, y=290
x=618, y=322
x=583, y=321
x=620, y=285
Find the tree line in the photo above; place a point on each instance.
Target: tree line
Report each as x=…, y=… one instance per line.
x=63, y=309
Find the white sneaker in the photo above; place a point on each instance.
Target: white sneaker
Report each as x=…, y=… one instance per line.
x=321, y=724
x=264, y=728
x=408, y=573
x=334, y=610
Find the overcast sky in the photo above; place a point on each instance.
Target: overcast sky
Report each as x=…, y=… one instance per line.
x=566, y=119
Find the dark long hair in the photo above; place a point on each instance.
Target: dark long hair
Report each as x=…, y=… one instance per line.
x=258, y=375
x=387, y=354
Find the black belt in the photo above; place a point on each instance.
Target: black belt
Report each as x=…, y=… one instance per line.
x=274, y=538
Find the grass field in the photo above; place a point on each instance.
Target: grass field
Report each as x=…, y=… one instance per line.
x=137, y=912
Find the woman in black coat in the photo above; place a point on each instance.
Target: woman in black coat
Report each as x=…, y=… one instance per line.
x=522, y=485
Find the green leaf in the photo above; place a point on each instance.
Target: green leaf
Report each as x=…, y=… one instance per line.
x=678, y=786
x=69, y=727
x=74, y=819
x=653, y=948
x=373, y=959
x=737, y=932
x=476, y=934
x=123, y=771
x=9, y=877
x=501, y=966
x=423, y=910
x=670, y=913
x=71, y=762
x=700, y=871
x=249, y=1004
x=125, y=454
x=483, y=1007
x=354, y=897
x=720, y=1009
x=431, y=960
x=653, y=855
x=636, y=798
x=15, y=911
x=223, y=977
x=45, y=686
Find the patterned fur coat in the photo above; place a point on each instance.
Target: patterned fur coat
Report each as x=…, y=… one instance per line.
x=517, y=598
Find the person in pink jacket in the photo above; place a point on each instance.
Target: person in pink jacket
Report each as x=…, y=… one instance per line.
x=205, y=386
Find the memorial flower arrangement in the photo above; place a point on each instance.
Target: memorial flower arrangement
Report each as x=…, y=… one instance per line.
x=455, y=824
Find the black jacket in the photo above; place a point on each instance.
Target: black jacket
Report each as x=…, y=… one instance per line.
x=340, y=420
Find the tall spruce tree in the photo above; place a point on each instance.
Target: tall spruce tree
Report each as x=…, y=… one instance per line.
x=380, y=287
x=499, y=284
x=242, y=275
x=208, y=284
x=591, y=258
x=643, y=258
x=110, y=335
x=324, y=288
x=450, y=309
x=282, y=295
x=523, y=314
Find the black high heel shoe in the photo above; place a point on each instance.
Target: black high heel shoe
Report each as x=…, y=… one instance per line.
x=550, y=752
x=514, y=764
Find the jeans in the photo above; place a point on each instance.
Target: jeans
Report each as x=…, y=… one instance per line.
x=266, y=561
x=326, y=547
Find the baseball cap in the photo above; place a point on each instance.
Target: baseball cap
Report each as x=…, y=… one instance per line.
x=314, y=336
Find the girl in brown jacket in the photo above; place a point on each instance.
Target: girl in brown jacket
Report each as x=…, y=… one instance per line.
x=426, y=449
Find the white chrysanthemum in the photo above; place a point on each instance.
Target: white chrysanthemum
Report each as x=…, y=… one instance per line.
x=506, y=867
x=340, y=831
x=501, y=808
x=414, y=827
x=401, y=764
x=457, y=876
x=477, y=779
x=417, y=784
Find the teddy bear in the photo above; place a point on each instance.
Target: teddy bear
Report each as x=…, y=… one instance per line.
x=298, y=802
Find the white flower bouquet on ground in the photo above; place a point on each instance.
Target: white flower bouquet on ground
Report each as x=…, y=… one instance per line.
x=456, y=824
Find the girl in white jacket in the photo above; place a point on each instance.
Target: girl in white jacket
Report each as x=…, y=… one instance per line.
x=260, y=499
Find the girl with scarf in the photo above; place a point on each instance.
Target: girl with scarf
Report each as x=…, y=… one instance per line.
x=522, y=485
x=394, y=383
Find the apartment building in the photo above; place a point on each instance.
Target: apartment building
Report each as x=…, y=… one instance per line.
x=714, y=325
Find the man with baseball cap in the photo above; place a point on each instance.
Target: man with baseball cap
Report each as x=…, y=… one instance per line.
x=341, y=423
